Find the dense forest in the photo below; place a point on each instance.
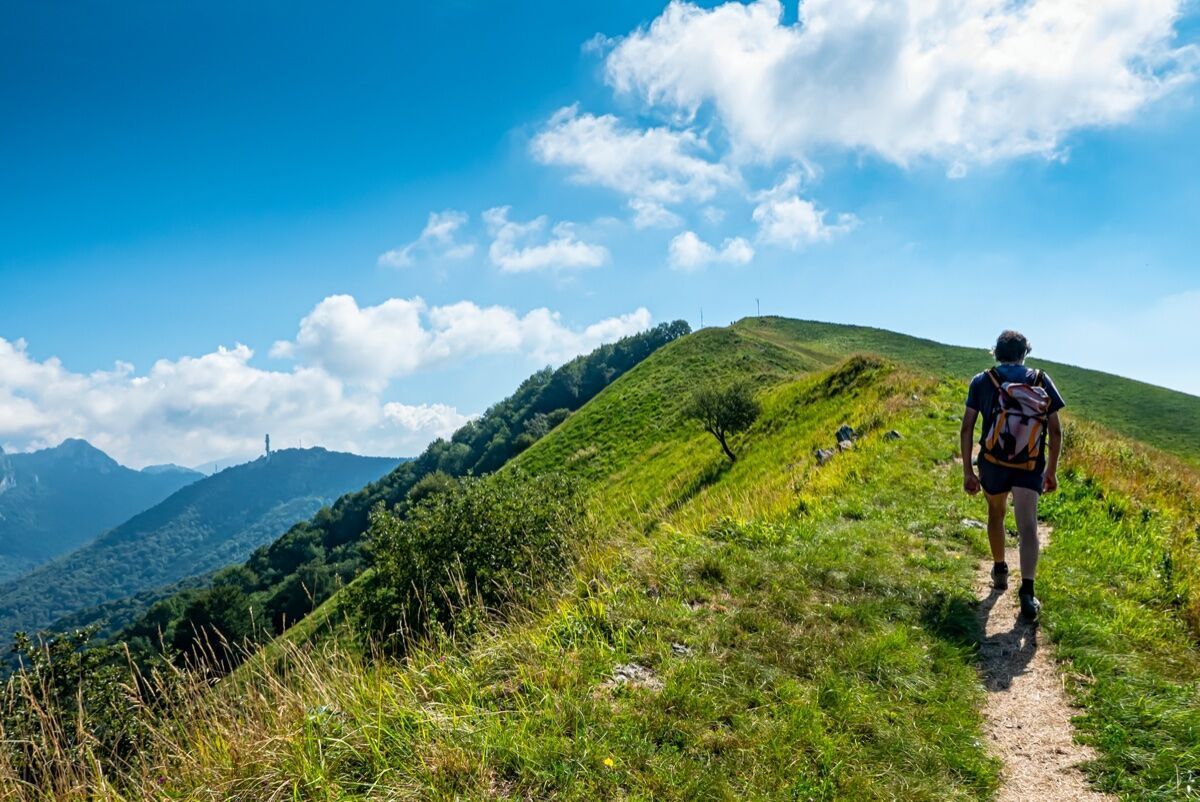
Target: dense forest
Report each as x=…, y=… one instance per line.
x=281, y=583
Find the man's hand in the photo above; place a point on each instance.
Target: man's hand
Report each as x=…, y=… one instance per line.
x=1050, y=482
x=971, y=483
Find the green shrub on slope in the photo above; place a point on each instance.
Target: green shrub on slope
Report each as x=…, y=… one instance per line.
x=465, y=548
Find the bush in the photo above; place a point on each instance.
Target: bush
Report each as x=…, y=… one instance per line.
x=67, y=704
x=482, y=544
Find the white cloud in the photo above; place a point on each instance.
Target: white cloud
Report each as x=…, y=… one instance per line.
x=513, y=249
x=688, y=252
x=196, y=409
x=784, y=218
x=655, y=164
x=361, y=345
x=971, y=81
x=193, y=410
x=650, y=214
x=438, y=240
x=372, y=345
x=712, y=214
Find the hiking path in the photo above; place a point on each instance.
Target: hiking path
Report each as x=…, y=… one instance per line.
x=1027, y=717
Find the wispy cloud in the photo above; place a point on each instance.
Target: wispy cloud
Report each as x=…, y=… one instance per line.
x=784, y=218
x=438, y=240
x=522, y=247
x=654, y=164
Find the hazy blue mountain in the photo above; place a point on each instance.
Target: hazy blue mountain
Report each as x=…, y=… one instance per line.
x=218, y=465
x=172, y=468
x=208, y=524
x=57, y=499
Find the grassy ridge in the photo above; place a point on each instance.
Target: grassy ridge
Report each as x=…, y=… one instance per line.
x=764, y=629
x=1166, y=419
x=737, y=639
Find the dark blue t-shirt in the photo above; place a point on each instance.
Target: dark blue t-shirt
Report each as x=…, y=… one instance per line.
x=981, y=396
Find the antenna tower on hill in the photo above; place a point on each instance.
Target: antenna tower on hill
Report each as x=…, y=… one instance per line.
x=268, y=445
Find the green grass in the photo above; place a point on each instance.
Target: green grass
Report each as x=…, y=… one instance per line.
x=792, y=631
x=1163, y=418
x=819, y=650
x=1121, y=582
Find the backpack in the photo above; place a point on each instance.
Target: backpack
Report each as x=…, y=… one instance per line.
x=1018, y=430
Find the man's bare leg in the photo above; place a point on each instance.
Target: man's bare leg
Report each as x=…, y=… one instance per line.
x=997, y=507
x=1025, y=503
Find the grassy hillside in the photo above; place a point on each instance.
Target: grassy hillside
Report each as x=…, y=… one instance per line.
x=284, y=580
x=1166, y=419
x=764, y=629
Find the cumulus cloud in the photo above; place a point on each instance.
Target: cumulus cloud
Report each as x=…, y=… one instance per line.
x=515, y=247
x=966, y=82
x=218, y=405
x=655, y=164
x=688, y=252
x=437, y=240
x=784, y=218
x=650, y=214
x=372, y=345
x=196, y=409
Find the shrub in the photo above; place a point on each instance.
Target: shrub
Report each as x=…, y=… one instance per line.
x=67, y=705
x=482, y=543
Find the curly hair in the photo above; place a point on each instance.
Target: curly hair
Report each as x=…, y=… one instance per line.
x=1011, y=346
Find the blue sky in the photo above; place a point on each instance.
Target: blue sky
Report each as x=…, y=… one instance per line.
x=184, y=179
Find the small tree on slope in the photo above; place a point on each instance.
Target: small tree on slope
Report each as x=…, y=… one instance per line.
x=724, y=411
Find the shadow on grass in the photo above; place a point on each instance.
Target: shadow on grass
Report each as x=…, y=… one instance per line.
x=952, y=618
x=961, y=621
x=709, y=476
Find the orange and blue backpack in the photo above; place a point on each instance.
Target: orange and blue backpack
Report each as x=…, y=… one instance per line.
x=1018, y=432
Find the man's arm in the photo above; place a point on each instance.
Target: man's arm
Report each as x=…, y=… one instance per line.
x=966, y=443
x=1054, y=427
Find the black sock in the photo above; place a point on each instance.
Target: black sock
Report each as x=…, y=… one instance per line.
x=1002, y=566
x=1026, y=587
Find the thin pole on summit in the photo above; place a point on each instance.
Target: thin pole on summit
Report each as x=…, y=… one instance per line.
x=757, y=308
x=702, y=317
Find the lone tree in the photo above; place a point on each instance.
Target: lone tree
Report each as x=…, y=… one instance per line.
x=724, y=411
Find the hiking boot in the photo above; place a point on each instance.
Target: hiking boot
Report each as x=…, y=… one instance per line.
x=1000, y=577
x=1031, y=608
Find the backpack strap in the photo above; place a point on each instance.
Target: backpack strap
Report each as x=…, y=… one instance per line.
x=1038, y=376
x=994, y=376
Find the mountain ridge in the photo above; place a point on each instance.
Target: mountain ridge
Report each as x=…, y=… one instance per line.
x=56, y=499
x=203, y=526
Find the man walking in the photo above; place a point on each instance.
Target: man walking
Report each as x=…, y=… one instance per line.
x=1020, y=412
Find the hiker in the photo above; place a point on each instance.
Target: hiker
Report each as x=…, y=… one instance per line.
x=1020, y=413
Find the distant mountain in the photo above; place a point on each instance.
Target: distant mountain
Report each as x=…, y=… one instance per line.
x=218, y=465
x=57, y=499
x=172, y=468
x=208, y=524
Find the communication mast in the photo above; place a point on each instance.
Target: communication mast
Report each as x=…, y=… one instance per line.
x=268, y=445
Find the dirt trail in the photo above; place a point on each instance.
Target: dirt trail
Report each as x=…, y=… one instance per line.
x=1027, y=719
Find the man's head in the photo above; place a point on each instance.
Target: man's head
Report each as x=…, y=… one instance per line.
x=1011, y=346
